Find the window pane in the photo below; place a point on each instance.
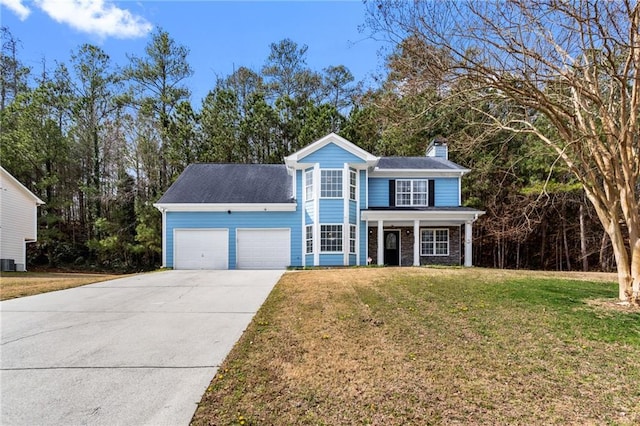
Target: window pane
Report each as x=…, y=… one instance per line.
x=330, y=238
x=419, y=186
x=420, y=199
x=352, y=184
x=309, y=184
x=426, y=242
x=352, y=239
x=331, y=183
x=309, y=239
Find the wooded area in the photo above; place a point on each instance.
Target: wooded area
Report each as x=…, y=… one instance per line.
x=100, y=142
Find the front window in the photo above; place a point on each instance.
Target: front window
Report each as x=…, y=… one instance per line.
x=331, y=184
x=352, y=238
x=353, y=184
x=330, y=238
x=411, y=192
x=308, y=184
x=309, y=238
x=434, y=242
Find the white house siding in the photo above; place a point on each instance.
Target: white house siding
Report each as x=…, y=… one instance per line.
x=18, y=220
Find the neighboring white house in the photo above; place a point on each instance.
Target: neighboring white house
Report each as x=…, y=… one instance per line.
x=18, y=222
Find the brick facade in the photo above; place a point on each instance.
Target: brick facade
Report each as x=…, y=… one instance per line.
x=406, y=247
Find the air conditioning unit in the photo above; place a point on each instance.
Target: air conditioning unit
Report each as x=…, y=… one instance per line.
x=7, y=265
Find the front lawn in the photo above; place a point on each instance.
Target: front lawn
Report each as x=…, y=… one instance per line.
x=19, y=284
x=416, y=346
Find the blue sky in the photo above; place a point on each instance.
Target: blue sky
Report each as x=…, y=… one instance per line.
x=220, y=35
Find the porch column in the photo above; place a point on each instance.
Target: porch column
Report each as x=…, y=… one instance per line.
x=468, y=244
x=416, y=243
x=380, y=242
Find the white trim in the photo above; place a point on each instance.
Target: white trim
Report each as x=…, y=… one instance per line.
x=460, y=191
x=355, y=240
x=468, y=244
x=435, y=241
x=232, y=207
x=370, y=159
x=416, y=242
x=380, y=247
x=417, y=173
x=357, y=218
x=452, y=216
x=346, y=186
x=303, y=194
x=316, y=215
x=164, y=239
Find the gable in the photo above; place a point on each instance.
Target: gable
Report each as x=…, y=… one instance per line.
x=331, y=156
x=334, y=144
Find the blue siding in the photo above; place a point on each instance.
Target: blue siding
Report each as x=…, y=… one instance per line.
x=308, y=260
x=379, y=192
x=331, y=210
x=353, y=213
x=446, y=192
x=363, y=243
x=331, y=259
x=232, y=221
x=363, y=189
x=309, y=209
x=331, y=156
x=352, y=259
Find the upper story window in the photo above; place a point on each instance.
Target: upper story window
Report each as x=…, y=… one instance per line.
x=331, y=183
x=411, y=192
x=353, y=184
x=308, y=184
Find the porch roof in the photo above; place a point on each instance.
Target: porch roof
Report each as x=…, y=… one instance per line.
x=452, y=215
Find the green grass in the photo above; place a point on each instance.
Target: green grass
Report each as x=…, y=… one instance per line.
x=431, y=346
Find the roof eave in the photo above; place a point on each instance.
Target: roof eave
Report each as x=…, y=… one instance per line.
x=226, y=207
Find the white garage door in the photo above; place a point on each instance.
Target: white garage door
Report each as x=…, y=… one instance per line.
x=201, y=249
x=264, y=248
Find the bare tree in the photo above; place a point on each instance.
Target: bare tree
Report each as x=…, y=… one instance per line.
x=573, y=70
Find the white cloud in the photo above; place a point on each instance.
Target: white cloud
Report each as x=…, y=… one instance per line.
x=17, y=7
x=99, y=17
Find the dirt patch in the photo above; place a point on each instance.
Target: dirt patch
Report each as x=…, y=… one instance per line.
x=613, y=305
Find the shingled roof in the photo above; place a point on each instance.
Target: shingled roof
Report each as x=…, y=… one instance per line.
x=231, y=183
x=416, y=163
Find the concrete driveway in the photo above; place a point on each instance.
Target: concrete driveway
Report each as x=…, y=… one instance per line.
x=137, y=351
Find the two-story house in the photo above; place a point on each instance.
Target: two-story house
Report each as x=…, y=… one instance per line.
x=331, y=203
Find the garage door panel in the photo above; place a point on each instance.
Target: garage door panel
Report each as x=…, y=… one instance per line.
x=201, y=249
x=264, y=248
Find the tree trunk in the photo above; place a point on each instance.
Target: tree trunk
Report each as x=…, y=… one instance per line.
x=583, y=240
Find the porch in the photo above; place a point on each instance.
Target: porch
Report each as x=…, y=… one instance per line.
x=414, y=237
